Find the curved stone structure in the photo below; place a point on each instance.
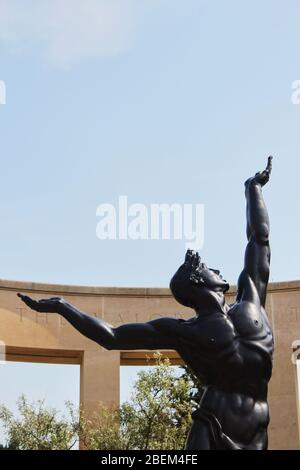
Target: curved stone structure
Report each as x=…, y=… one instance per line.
x=33, y=337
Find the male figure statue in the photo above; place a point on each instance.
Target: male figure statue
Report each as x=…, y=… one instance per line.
x=229, y=347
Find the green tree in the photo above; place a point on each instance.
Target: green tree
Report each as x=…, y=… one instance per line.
x=157, y=416
x=102, y=431
x=39, y=427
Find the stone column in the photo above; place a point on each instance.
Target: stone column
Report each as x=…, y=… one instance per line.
x=99, y=379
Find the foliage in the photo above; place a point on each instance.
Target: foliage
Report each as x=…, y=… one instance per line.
x=157, y=416
x=38, y=427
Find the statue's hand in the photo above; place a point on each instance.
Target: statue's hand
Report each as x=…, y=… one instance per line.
x=262, y=177
x=192, y=258
x=44, y=305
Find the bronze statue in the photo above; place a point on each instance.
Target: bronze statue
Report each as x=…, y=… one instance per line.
x=229, y=347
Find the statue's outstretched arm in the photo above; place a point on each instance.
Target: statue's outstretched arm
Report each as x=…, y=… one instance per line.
x=156, y=334
x=257, y=256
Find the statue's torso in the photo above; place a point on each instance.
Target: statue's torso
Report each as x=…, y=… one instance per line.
x=232, y=354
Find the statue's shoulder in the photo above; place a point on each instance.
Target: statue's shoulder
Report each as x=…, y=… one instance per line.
x=168, y=323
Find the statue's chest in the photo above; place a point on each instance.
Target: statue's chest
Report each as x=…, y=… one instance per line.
x=211, y=334
x=206, y=343
x=248, y=320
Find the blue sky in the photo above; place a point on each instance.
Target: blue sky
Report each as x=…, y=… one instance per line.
x=163, y=101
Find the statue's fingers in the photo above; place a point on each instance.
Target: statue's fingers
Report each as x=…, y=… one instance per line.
x=269, y=165
x=28, y=300
x=189, y=255
x=195, y=259
x=24, y=297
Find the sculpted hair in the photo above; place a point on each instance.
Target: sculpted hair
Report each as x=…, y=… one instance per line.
x=182, y=287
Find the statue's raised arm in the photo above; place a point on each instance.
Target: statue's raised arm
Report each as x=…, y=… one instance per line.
x=257, y=257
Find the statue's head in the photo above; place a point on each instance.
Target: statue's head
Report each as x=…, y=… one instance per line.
x=194, y=284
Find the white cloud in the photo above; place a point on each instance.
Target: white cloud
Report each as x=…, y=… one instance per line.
x=66, y=31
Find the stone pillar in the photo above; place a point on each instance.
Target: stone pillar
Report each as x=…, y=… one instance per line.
x=99, y=379
x=296, y=375
x=285, y=318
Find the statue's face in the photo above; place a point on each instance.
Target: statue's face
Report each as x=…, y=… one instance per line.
x=193, y=283
x=212, y=279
